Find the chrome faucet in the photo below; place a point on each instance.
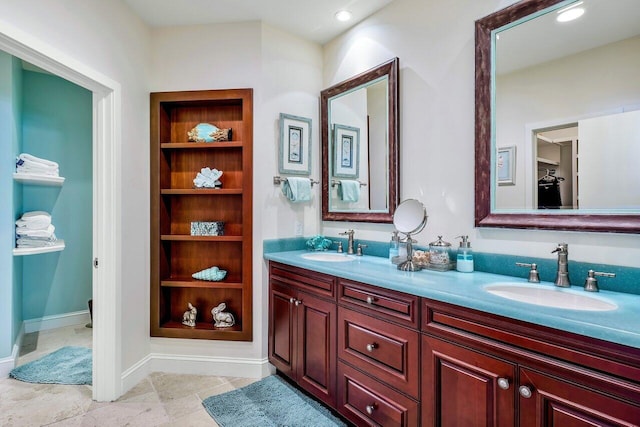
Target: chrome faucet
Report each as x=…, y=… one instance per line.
x=562, y=277
x=350, y=248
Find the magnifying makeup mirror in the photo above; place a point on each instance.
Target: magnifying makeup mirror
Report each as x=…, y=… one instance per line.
x=410, y=218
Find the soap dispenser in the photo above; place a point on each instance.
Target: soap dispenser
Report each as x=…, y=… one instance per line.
x=464, y=259
x=394, y=246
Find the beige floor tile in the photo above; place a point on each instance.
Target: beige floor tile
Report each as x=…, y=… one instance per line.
x=199, y=418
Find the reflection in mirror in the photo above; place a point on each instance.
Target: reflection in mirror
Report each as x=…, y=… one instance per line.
x=410, y=218
x=566, y=105
x=360, y=147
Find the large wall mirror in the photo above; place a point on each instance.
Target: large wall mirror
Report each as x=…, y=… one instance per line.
x=360, y=123
x=558, y=116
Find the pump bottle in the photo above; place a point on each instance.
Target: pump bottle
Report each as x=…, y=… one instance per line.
x=464, y=259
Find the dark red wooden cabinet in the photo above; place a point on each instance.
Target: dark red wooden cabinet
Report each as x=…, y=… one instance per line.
x=302, y=329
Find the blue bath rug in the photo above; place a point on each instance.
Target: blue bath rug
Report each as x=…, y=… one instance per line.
x=68, y=365
x=270, y=402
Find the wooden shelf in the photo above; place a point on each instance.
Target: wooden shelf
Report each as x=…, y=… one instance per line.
x=189, y=238
x=33, y=179
x=193, y=283
x=547, y=161
x=200, y=191
x=175, y=204
x=200, y=145
x=59, y=246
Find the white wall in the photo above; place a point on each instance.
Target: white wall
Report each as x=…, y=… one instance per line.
x=285, y=74
x=435, y=43
x=106, y=37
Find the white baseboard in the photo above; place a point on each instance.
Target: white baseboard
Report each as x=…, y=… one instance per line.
x=8, y=363
x=56, y=321
x=195, y=365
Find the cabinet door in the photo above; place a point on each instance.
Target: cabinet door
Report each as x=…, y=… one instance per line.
x=282, y=328
x=316, y=346
x=462, y=387
x=548, y=401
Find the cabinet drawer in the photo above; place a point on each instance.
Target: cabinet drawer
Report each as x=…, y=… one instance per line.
x=365, y=401
x=317, y=283
x=387, y=351
x=388, y=304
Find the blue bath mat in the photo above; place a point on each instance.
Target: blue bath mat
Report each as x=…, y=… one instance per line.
x=68, y=365
x=269, y=402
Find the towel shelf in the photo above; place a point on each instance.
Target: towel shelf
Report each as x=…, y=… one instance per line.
x=59, y=246
x=335, y=183
x=277, y=180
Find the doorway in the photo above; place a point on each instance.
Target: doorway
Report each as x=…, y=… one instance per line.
x=107, y=383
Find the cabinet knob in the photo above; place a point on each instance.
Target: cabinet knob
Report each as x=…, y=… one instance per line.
x=503, y=383
x=525, y=391
x=370, y=300
x=370, y=408
x=371, y=347
x=298, y=302
x=292, y=300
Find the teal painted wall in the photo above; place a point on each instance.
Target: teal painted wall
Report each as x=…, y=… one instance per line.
x=57, y=125
x=10, y=194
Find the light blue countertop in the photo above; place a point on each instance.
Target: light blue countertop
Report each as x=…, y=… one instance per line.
x=621, y=325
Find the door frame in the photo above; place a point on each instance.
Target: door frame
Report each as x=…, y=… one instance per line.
x=107, y=113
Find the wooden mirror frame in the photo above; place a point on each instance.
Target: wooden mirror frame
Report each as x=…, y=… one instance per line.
x=624, y=223
x=391, y=70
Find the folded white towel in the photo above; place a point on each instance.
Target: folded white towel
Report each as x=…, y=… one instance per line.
x=35, y=220
x=25, y=232
x=30, y=158
x=35, y=243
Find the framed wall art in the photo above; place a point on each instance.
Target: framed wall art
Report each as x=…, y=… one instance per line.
x=346, y=147
x=506, y=165
x=295, y=145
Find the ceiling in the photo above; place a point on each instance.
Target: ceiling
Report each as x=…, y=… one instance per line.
x=310, y=19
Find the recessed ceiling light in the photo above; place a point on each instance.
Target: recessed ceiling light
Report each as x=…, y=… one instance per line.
x=343, y=15
x=570, y=13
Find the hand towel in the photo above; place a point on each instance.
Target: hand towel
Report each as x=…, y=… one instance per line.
x=349, y=190
x=46, y=233
x=35, y=220
x=42, y=162
x=297, y=189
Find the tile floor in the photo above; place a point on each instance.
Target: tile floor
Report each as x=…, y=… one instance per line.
x=159, y=400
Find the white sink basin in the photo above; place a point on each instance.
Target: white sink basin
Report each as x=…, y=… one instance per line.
x=550, y=296
x=327, y=257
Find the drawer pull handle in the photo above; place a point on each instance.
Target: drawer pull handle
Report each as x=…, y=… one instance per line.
x=370, y=300
x=371, y=347
x=525, y=391
x=298, y=302
x=503, y=383
x=370, y=408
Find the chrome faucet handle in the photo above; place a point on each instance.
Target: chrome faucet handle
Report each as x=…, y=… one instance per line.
x=563, y=248
x=347, y=233
x=360, y=248
x=339, y=243
x=534, y=277
x=591, y=283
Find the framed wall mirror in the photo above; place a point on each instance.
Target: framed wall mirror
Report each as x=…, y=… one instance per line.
x=360, y=147
x=558, y=116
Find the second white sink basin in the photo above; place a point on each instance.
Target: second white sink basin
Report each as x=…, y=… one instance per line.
x=550, y=296
x=327, y=257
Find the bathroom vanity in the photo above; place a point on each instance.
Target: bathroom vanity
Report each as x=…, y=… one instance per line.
x=387, y=347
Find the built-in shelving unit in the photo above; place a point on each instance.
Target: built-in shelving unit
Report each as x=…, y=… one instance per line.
x=175, y=203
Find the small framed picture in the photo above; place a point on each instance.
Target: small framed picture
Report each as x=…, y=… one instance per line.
x=506, y=165
x=346, y=147
x=295, y=145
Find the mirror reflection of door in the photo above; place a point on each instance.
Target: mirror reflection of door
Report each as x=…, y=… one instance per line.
x=556, y=163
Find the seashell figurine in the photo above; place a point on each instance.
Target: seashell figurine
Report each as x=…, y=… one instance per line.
x=206, y=132
x=212, y=274
x=208, y=178
x=221, y=318
x=189, y=316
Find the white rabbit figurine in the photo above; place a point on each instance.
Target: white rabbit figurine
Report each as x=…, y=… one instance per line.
x=189, y=316
x=222, y=319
